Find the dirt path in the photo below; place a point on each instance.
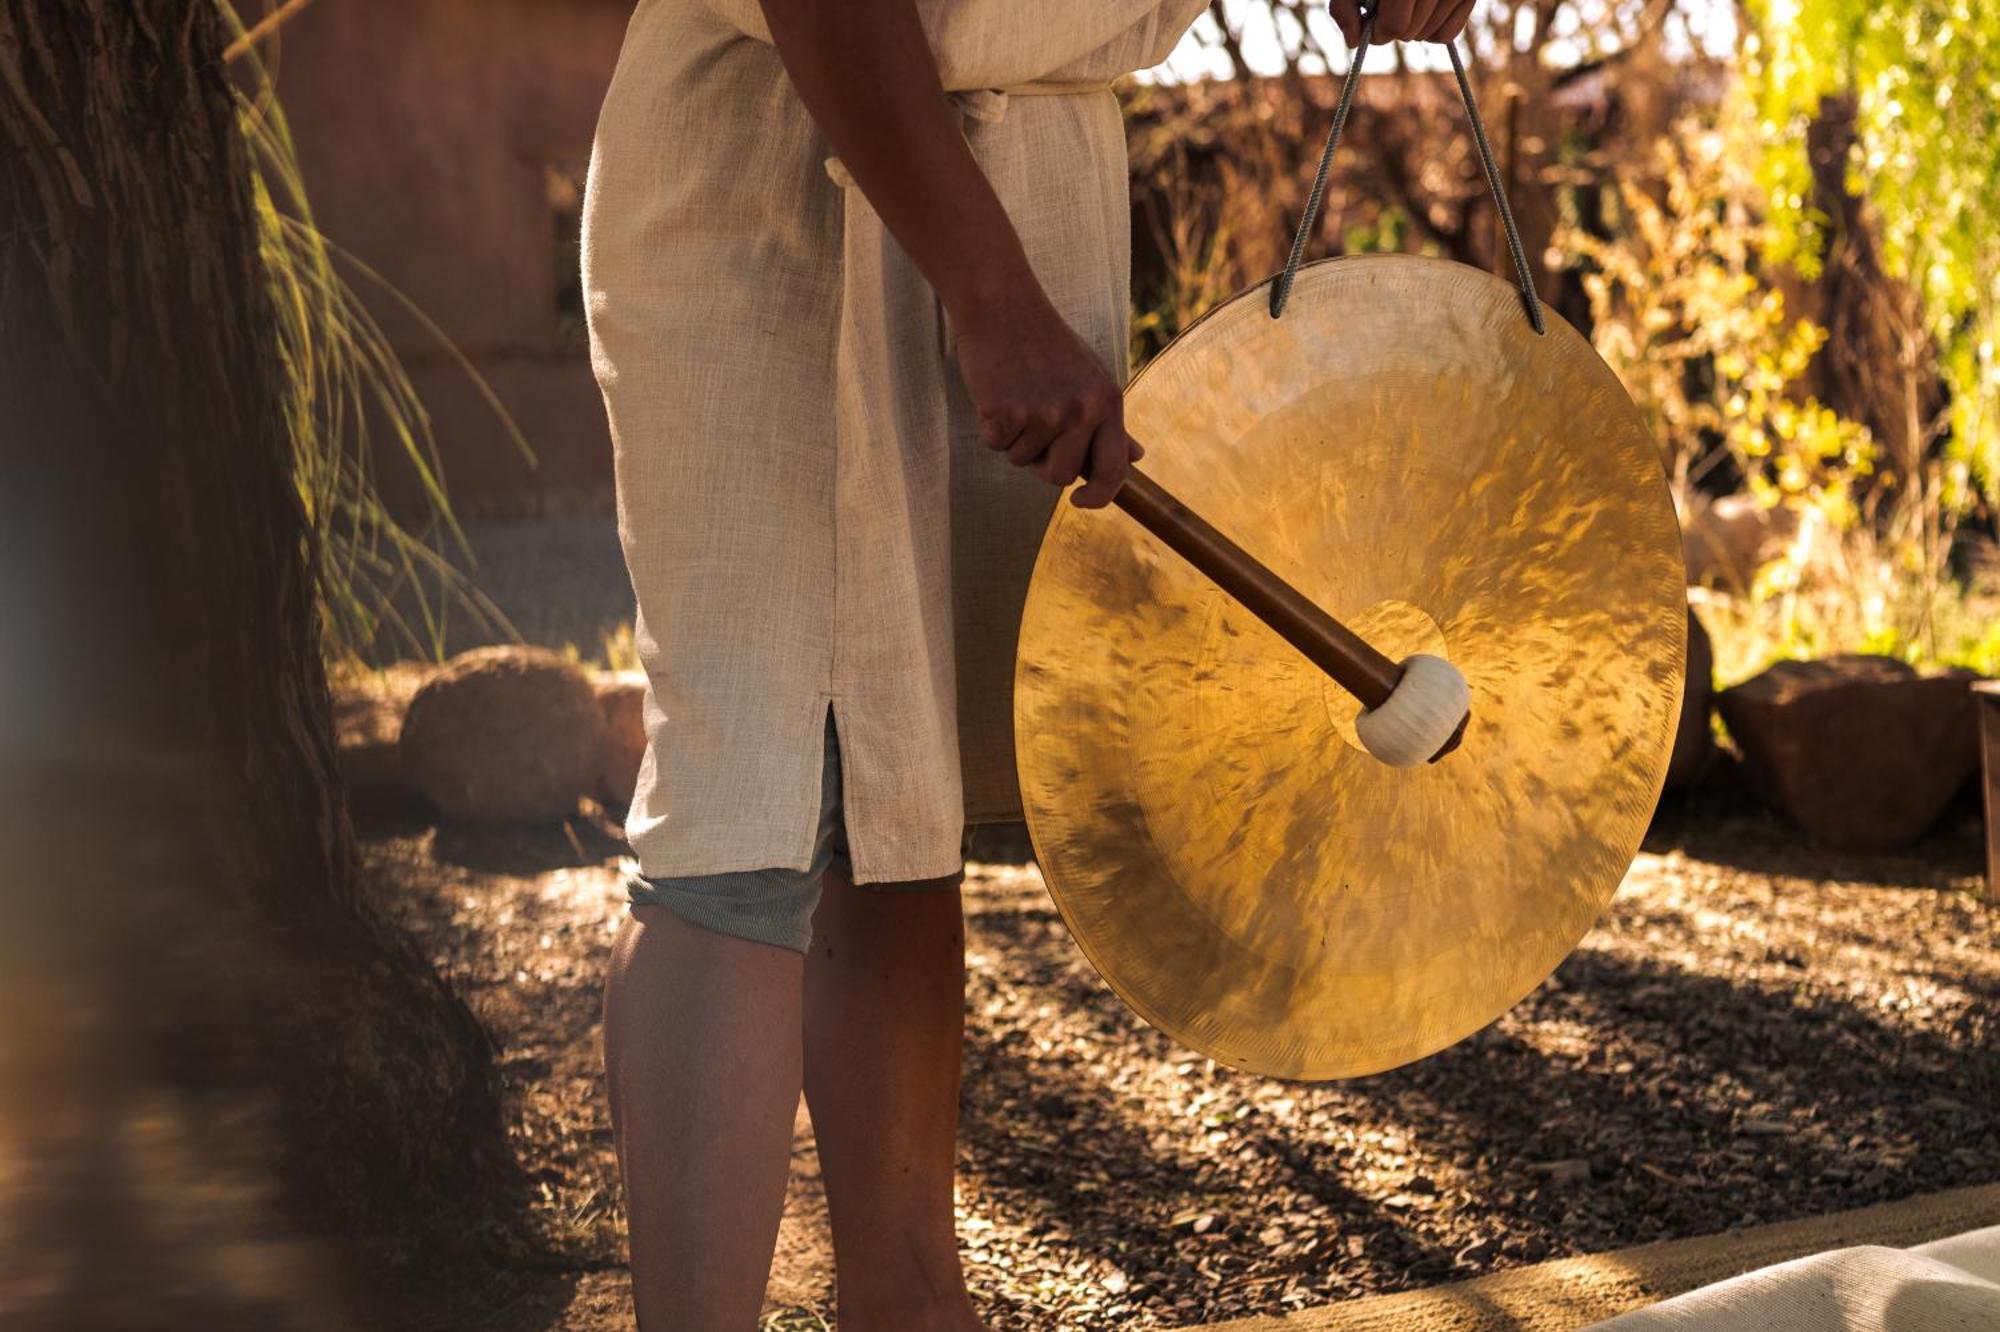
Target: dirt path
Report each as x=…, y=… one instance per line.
x=1752, y=1034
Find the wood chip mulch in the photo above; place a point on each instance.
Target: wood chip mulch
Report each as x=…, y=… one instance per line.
x=1755, y=1032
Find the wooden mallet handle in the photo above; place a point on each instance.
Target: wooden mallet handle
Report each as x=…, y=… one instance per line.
x=1352, y=662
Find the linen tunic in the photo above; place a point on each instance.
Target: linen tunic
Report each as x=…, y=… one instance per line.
x=809, y=517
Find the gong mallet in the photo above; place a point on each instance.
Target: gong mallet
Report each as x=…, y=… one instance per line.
x=1413, y=711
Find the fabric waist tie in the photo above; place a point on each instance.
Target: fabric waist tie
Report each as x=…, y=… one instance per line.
x=1055, y=88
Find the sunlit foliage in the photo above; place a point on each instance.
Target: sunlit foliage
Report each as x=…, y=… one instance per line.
x=1682, y=309
x=1687, y=302
x=1922, y=76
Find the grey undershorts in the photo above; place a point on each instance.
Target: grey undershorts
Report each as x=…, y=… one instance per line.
x=772, y=906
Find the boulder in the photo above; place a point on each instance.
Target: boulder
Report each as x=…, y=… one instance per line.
x=505, y=735
x=1726, y=541
x=1695, y=740
x=367, y=725
x=622, y=695
x=1863, y=752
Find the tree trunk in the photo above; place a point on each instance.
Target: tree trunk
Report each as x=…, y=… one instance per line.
x=1878, y=366
x=209, y=1048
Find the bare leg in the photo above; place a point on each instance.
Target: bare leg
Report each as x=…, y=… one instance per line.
x=702, y=1057
x=884, y=1023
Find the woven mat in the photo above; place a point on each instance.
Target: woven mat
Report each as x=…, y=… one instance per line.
x=1569, y=1293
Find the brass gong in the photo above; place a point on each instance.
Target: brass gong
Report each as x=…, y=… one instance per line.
x=1406, y=452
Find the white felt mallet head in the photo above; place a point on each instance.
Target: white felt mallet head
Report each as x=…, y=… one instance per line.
x=1420, y=716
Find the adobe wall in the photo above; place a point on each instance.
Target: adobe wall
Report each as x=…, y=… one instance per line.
x=444, y=142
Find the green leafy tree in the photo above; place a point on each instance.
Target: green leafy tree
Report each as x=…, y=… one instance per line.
x=1925, y=153
x=1682, y=310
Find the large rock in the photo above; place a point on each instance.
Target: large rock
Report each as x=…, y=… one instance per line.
x=622, y=695
x=367, y=727
x=505, y=735
x=1726, y=541
x=1862, y=752
x=1695, y=740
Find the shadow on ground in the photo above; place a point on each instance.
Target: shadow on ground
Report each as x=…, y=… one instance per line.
x=1755, y=1032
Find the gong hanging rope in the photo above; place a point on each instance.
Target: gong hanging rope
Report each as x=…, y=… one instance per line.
x=1281, y=290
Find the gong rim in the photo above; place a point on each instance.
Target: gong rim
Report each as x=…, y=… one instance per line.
x=1294, y=1022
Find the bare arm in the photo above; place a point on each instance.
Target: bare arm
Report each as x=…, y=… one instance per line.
x=865, y=72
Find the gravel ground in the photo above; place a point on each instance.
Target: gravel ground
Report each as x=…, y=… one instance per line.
x=1754, y=1032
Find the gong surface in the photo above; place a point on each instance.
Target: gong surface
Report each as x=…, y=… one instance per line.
x=1403, y=449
